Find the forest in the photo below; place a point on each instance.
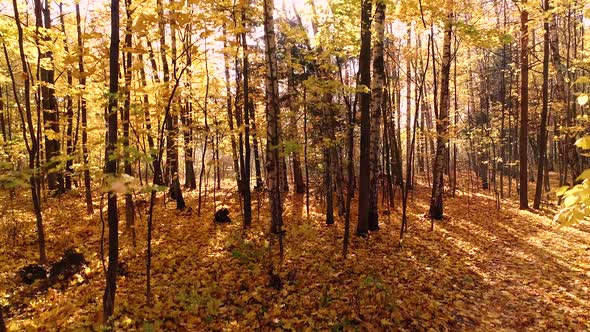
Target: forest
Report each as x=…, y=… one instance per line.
x=294, y=165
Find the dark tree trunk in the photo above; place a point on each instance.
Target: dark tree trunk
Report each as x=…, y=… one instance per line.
x=543, y=129
x=156, y=164
x=49, y=105
x=32, y=142
x=365, y=109
x=2, y=324
x=70, y=139
x=127, y=64
x=524, y=99
x=111, y=169
x=246, y=167
x=230, y=116
x=190, y=181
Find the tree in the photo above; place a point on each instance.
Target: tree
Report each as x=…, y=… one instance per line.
x=272, y=122
x=365, y=109
x=524, y=100
x=442, y=125
x=31, y=138
x=127, y=64
x=376, y=103
x=246, y=105
x=2, y=324
x=49, y=103
x=111, y=168
x=543, y=128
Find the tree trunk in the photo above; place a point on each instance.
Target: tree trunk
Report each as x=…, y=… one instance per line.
x=246, y=167
x=206, y=138
x=524, y=99
x=442, y=126
x=49, y=105
x=257, y=170
x=272, y=125
x=32, y=143
x=70, y=140
x=293, y=132
x=129, y=206
x=190, y=181
x=83, y=115
x=376, y=103
x=230, y=116
x=365, y=109
x=111, y=169
x=408, y=98
x=545, y=100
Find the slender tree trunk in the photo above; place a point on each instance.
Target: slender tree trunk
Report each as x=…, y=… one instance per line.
x=524, y=99
x=156, y=164
x=272, y=129
x=129, y=206
x=365, y=109
x=293, y=109
x=190, y=180
x=305, y=152
x=257, y=166
x=83, y=114
x=70, y=141
x=111, y=168
x=376, y=103
x=246, y=167
x=206, y=138
x=2, y=119
x=230, y=116
x=350, y=174
x=2, y=324
x=408, y=97
x=55, y=181
x=442, y=125
x=33, y=140
x=543, y=129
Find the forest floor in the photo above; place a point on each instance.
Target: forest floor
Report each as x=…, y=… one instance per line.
x=480, y=269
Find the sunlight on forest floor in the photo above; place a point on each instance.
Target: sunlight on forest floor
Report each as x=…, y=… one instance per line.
x=480, y=269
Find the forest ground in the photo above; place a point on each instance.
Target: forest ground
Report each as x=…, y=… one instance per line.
x=480, y=269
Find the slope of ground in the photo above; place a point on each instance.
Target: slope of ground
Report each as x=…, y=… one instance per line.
x=480, y=269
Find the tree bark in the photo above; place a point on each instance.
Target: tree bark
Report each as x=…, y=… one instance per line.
x=442, y=126
x=111, y=168
x=545, y=100
x=365, y=109
x=230, y=116
x=524, y=99
x=246, y=167
x=272, y=124
x=128, y=62
x=376, y=103
x=49, y=105
x=70, y=139
x=32, y=142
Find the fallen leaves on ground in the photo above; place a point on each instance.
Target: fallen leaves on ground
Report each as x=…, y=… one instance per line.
x=480, y=269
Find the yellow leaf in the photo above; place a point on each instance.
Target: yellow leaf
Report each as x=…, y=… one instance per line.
x=582, y=99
